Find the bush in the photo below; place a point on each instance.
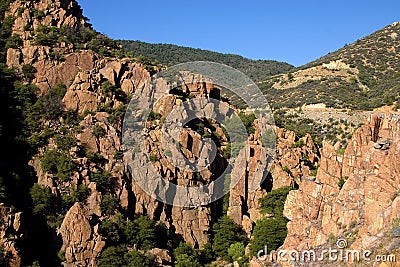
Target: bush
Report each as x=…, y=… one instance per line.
x=153, y=158
x=102, y=180
x=112, y=231
x=118, y=256
x=141, y=232
x=342, y=181
x=185, y=255
x=29, y=71
x=226, y=233
x=113, y=256
x=341, y=151
x=109, y=204
x=94, y=157
x=49, y=161
x=70, y=117
x=154, y=116
x=248, y=121
x=270, y=232
x=43, y=200
x=185, y=260
x=237, y=252
x=65, y=142
x=136, y=259
x=98, y=131
x=14, y=41
x=118, y=155
x=57, y=163
x=107, y=88
x=79, y=194
x=274, y=202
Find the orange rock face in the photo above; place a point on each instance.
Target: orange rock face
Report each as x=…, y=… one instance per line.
x=362, y=210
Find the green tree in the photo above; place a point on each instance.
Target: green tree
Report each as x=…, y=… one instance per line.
x=98, y=131
x=236, y=251
x=57, y=163
x=225, y=233
x=270, y=232
x=142, y=232
x=113, y=256
x=184, y=260
x=102, y=180
x=65, y=142
x=43, y=200
x=112, y=230
x=29, y=72
x=49, y=161
x=275, y=201
x=137, y=259
x=109, y=204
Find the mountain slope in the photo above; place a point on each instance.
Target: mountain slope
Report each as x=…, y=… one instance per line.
x=168, y=54
x=363, y=75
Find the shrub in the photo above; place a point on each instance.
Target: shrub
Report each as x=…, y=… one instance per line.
x=65, y=142
x=94, y=157
x=14, y=41
x=43, y=200
x=118, y=256
x=112, y=231
x=184, y=260
x=342, y=181
x=270, y=232
x=102, y=180
x=79, y=194
x=98, y=131
x=65, y=167
x=153, y=158
x=297, y=144
x=142, y=232
x=185, y=255
x=70, y=117
x=287, y=170
x=136, y=259
x=109, y=204
x=113, y=256
x=57, y=163
x=226, y=233
x=154, y=116
x=29, y=71
x=341, y=151
x=237, y=253
x=274, y=202
x=248, y=121
x=107, y=88
x=118, y=155
x=49, y=161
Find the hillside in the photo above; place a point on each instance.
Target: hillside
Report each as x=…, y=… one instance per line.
x=363, y=75
x=168, y=54
x=70, y=197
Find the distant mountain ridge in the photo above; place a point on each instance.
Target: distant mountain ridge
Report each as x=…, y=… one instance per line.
x=168, y=54
x=363, y=75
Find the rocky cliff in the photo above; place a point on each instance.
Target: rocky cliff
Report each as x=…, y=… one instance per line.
x=354, y=195
x=79, y=164
x=96, y=88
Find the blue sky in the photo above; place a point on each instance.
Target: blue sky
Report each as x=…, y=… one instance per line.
x=292, y=31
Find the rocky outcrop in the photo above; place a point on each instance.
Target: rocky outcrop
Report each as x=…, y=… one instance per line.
x=81, y=241
x=366, y=207
x=289, y=168
x=11, y=232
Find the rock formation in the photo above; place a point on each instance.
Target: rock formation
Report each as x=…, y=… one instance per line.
x=364, y=210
